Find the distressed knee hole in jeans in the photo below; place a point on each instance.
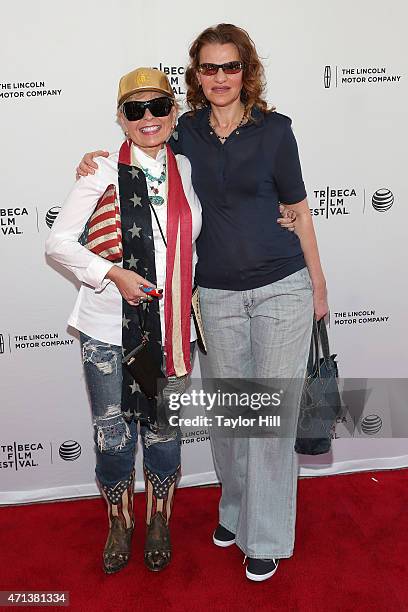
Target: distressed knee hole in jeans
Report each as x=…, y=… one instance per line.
x=112, y=431
x=151, y=437
x=102, y=358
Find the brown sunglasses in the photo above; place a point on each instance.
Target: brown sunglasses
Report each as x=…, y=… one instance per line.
x=228, y=68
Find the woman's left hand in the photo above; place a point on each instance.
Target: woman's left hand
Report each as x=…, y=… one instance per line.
x=320, y=305
x=288, y=219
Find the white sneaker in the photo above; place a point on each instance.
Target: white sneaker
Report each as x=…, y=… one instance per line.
x=223, y=537
x=261, y=569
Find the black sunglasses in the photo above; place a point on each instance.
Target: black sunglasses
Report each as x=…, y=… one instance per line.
x=228, y=68
x=159, y=107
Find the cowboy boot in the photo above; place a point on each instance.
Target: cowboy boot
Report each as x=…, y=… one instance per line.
x=159, y=503
x=119, y=499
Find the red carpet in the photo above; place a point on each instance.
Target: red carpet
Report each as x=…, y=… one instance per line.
x=351, y=553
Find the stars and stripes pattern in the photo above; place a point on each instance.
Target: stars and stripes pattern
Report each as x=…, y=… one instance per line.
x=177, y=306
x=159, y=493
x=124, y=233
x=104, y=232
x=120, y=500
x=137, y=230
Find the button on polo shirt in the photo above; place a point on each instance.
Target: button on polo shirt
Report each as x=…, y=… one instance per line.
x=240, y=184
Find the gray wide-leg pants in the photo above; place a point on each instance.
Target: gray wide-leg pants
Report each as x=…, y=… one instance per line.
x=260, y=333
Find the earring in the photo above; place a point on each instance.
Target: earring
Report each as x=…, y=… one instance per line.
x=173, y=132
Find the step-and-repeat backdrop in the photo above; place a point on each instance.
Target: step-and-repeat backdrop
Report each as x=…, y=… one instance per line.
x=339, y=69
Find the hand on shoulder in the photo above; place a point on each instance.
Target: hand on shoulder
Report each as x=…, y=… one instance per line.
x=87, y=165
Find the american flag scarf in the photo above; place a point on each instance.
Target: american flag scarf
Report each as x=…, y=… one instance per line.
x=103, y=232
x=138, y=255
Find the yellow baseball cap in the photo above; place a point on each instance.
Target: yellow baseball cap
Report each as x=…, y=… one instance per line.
x=143, y=79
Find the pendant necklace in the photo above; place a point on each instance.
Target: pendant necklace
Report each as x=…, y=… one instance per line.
x=155, y=198
x=222, y=139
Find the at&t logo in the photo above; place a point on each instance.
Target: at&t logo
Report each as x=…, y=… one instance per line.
x=70, y=450
x=382, y=200
x=51, y=215
x=371, y=424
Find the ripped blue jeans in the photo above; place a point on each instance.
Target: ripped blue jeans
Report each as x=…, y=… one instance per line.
x=115, y=438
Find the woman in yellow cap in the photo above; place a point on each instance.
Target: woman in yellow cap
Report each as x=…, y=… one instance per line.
x=259, y=286
x=125, y=230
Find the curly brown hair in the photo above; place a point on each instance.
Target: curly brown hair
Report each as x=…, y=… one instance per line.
x=253, y=84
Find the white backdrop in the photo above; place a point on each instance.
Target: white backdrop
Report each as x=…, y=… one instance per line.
x=339, y=69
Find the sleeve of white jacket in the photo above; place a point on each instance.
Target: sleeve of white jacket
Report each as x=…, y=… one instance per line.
x=62, y=243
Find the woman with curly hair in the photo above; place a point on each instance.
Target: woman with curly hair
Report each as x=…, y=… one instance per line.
x=259, y=285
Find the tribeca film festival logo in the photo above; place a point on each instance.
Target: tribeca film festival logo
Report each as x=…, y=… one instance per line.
x=25, y=455
x=16, y=220
x=21, y=455
x=13, y=220
x=338, y=76
x=175, y=74
x=27, y=89
x=330, y=201
x=51, y=215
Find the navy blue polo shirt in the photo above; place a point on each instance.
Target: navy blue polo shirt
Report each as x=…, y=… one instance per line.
x=240, y=185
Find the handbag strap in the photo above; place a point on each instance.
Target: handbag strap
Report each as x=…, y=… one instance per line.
x=324, y=340
x=158, y=223
x=314, y=355
x=142, y=322
x=311, y=358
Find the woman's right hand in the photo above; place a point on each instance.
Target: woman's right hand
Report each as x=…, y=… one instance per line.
x=87, y=164
x=128, y=283
x=320, y=305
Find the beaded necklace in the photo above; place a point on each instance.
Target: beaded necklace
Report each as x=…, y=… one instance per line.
x=222, y=139
x=155, y=199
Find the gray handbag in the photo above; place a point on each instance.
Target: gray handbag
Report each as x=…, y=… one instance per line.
x=320, y=403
